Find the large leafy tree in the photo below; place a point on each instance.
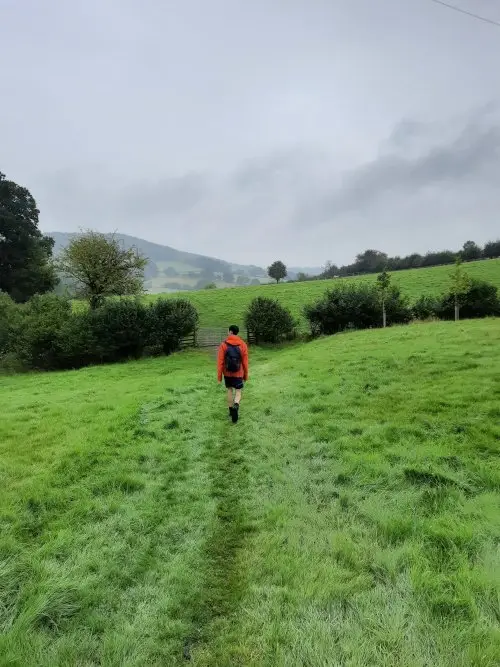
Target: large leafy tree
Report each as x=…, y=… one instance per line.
x=371, y=261
x=471, y=251
x=100, y=266
x=277, y=271
x=25, y=253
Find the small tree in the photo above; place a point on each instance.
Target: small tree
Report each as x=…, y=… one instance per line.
x=384, y=284
x=480, y=300
x=277, y=271
x=460, y=284
x=102, y=267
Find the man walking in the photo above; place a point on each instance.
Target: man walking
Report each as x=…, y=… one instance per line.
x=232, y=364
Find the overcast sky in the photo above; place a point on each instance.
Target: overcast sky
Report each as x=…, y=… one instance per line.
x=253, y=130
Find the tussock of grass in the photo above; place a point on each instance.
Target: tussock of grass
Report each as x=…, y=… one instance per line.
x=350, y=518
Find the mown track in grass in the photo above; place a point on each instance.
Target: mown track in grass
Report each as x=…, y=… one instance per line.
x=223, y=573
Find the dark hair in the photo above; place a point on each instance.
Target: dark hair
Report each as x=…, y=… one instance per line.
x=234, y=329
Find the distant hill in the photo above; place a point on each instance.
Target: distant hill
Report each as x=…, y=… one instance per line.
x=293, y=271
x=171, y=270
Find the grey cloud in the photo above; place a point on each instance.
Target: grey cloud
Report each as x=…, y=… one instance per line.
x=177, y=121
x=406, y=131
x=471, y=158
x=168, y=196
x=275, y=170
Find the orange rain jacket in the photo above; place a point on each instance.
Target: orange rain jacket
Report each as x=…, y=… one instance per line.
x=243, y=372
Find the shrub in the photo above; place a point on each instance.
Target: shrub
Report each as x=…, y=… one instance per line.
x=119, y=330
x=355, y=305
x=45, y=333
x=426, y=307
x=170, y=320
x=269, y=321
x=38, y=342
x=10, y=317
x=480, y=300
x=398, y=307
x=77, y=342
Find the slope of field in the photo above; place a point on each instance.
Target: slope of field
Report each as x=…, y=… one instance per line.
x=216, y=307
x=350, y=518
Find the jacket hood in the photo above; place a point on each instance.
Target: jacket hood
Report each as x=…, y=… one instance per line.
x=233, y=340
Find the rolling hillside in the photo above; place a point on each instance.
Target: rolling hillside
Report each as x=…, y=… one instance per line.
x=171, y=270
x=217, y=307
x=350, y=518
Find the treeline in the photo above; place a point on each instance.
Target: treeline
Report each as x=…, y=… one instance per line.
x=45, y=333
x=374, y=261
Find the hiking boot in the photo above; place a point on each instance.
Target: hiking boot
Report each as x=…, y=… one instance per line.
x=231, y=410
x=235, y=413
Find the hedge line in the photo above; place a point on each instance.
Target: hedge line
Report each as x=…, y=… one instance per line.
x=45, y=333
x=358, y=306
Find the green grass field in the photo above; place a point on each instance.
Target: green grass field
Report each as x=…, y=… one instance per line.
x=215, y=306
x=351, y=518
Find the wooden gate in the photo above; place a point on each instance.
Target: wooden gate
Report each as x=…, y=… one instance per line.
x=209, y=338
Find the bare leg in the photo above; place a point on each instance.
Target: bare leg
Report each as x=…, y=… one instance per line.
x=237, y=396
x=230, y=398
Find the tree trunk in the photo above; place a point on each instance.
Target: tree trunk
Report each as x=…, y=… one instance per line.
x=384, y=315
x=457, y=311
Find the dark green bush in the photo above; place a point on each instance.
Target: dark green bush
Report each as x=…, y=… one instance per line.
x=170, y=320
x=78, y=345
x=355, y=306
x=10, y=316
x=45, y=333
x=269, y=321
x=120, y=330
x=480, y=300
x=38, y=343
x=426, y=307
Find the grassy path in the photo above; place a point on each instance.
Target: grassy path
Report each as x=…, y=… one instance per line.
x=224, y=577
x=373, y=499
x=351, y=518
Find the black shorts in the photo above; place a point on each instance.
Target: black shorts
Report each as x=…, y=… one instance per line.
x=233, y=383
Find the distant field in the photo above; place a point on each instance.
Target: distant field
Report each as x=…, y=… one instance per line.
x=350, y=519
x=219, y=307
